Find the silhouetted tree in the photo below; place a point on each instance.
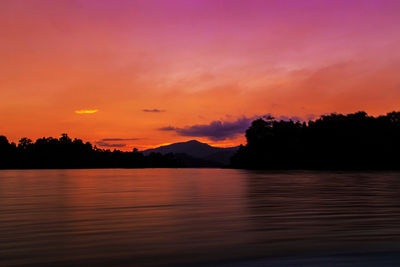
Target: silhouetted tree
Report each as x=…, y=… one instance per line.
x=7, y=152
x=335, y=141
x=24, y=143
x=67, y=153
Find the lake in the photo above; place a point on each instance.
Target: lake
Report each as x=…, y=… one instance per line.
x=201, y=217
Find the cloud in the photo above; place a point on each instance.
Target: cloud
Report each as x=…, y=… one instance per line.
x=215, y=130
x=286, y=118
x=221, y=130
x=105, y=144
x=86, y=111
x=109, y=142
x=118, y=139
x=306, y=118
x=167, y=128
x=153, y=110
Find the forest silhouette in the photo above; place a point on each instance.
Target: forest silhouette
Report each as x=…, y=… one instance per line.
x=332, y=142
x=51, y=153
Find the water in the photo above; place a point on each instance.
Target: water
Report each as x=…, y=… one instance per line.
x=151, y=217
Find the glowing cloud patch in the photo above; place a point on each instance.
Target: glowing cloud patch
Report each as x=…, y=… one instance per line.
x=155, y=110
x=86, y=111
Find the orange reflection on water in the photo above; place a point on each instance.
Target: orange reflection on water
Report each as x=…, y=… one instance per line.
x=169, y=216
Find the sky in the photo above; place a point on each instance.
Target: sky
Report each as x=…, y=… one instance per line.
x=124, y=74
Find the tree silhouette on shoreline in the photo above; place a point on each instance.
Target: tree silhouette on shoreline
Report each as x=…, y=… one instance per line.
x=350, y=142
x=333, y=142
x=50, y=153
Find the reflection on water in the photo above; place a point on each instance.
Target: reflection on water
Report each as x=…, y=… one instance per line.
x=180, y=216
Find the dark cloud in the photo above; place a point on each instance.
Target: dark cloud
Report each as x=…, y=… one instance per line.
x=216, y=130
x=167, y=128
x=309, y=117
x=287, y=118
x=118, y=139
x=221, y=130
x=104, y=144
x=153, y=110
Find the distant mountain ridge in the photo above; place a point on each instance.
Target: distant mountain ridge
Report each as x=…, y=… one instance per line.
x=195, y=150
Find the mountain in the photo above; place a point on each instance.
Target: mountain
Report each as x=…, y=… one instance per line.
x=197, y=154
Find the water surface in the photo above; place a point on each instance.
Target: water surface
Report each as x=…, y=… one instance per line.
x=151, y=217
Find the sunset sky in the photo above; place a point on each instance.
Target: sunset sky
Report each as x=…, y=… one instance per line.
x=139, y=74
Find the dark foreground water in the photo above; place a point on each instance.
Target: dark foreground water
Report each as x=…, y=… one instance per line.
x=151, y=217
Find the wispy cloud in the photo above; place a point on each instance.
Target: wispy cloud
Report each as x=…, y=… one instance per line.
x=222, y=130
x=105, y=144
x=215, y=130
x=307, y=118
x=118, y=139
x=155, y=110
x=86, y=111
x=167, y=128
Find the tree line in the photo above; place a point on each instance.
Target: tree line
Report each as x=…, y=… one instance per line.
x=354, y=141
x=49, y=153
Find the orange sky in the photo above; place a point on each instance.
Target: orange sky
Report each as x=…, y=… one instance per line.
x=145, y=65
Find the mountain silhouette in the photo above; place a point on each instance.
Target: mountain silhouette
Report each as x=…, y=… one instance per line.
x=195, y=153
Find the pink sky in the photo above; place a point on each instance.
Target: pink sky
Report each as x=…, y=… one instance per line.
x=197, y=62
